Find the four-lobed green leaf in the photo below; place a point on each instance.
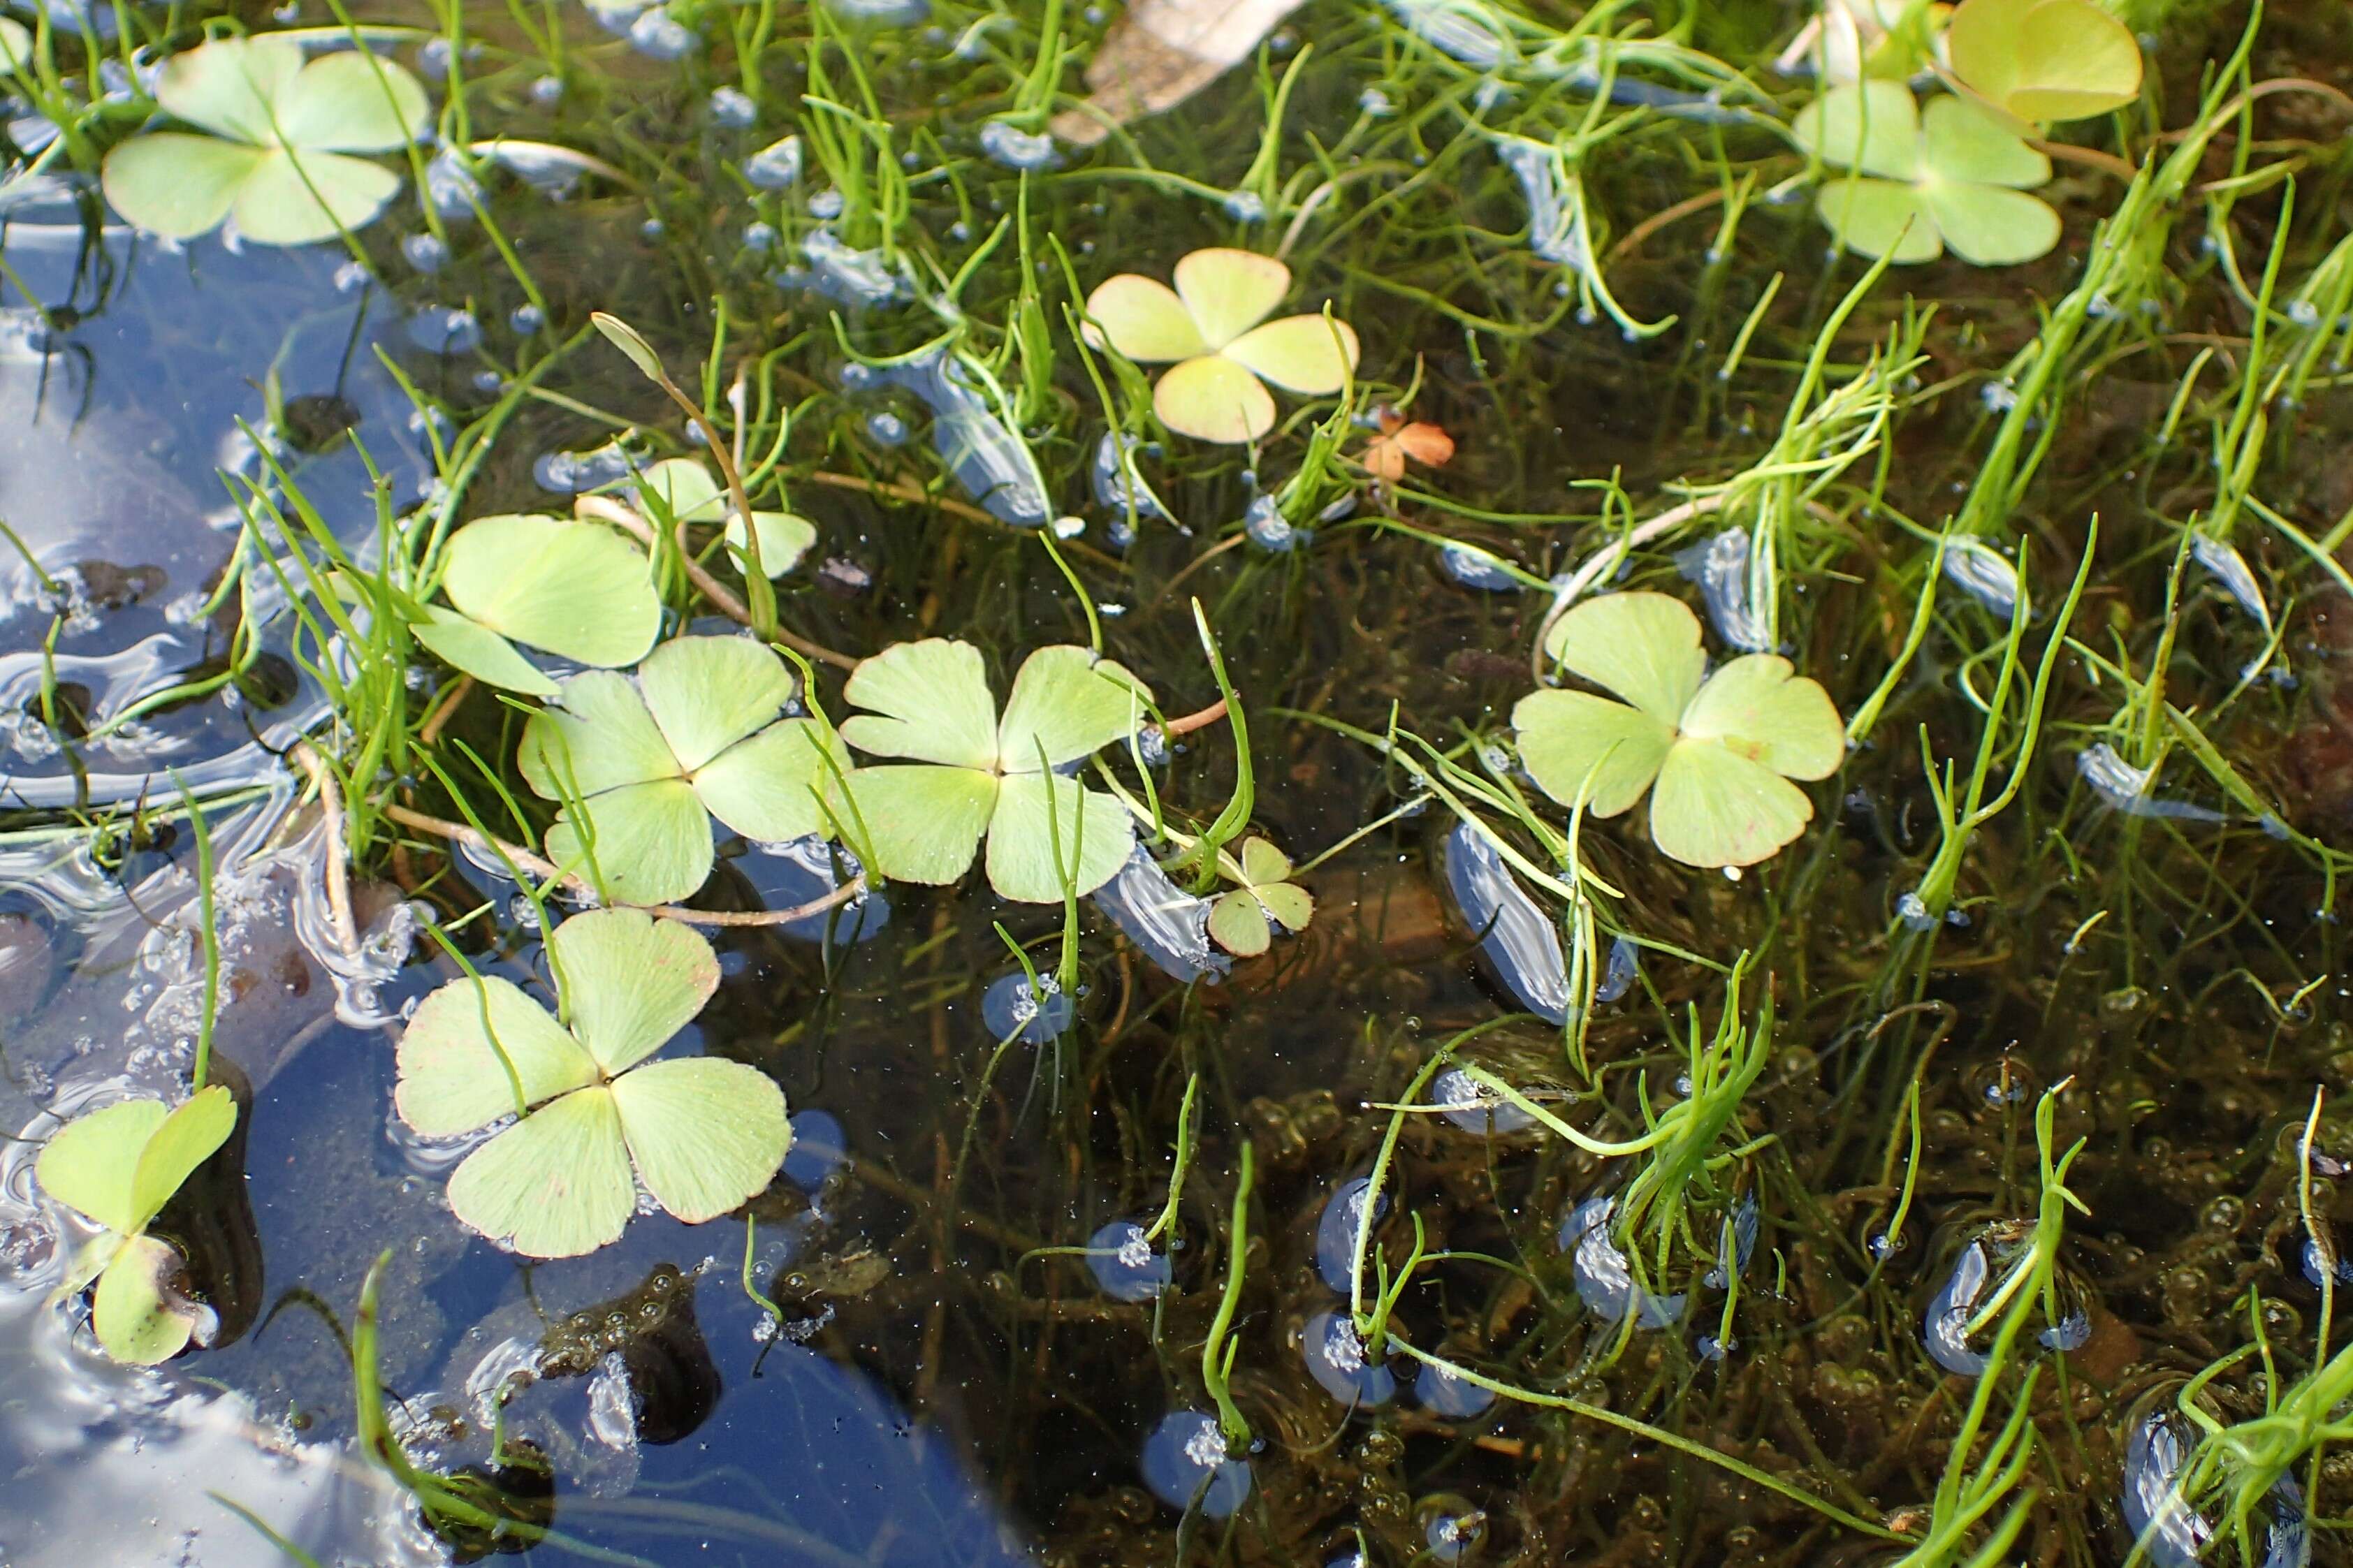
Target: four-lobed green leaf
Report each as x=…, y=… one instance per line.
x=1908, y=187
x=703, y=1135
x=278, y=155
x=698, y=731
x=1264, y=898
x=971, y=773
x=578, y=590
x=1721, y=748
x=119, y=1166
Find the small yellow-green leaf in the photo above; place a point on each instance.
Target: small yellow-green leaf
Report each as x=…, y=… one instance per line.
x=652, y=841
x=134, y=1313
x=1084, y=836
x=229, y=86
x=16, y=44
x=630, y=342
x=176, y=185
x=475, y=651
x=928, y=701
x=1142, y=319
x=1869, y=126
x=91, y=1163
x=1238, y=924
x=1642, y=646
x=1066, y=703
x=1711, y=807
x=2044, y=60
x=1228, y=291
x=451, y=1078
x=926, y=821
x=1880, y=217
x=1967, y=142
x=1310, y=354
x=1213, y=398
x=769, y=788
x=1576, y=741
x=348, y=102
x=300, y=198
x=1262, y=864
x=1288, y=904
x=1760, y=709
x=705, y=1134
x=196, y=1127
x=629, y=981
x=601, y=738
x=784, y=540
x=556, y=1184
x=1987, y=226
x=708, y=693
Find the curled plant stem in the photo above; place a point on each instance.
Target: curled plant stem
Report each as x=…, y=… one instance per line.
x=1605, y=561
x=458, y=833
x=339, y=875
x=1192, y=721
x=604, y=509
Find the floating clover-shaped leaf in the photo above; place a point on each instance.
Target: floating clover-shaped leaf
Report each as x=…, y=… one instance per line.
x=1954, y=179
x=1243, y=920
x=648, y=760
x=119, y=1166
x=703, y=1135
x=576, y=589
x=978, y=774
x=277, y=158
x=1210, y=325
x=1722, y=752
x=690, y=494
x=2042, y=60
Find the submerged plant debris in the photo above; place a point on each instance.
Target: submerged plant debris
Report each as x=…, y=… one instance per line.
x=1374, y=783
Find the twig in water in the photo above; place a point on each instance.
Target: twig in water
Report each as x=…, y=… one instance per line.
x=1192, y=721
x=458, y=833
x=446, y=704
x=339, y=875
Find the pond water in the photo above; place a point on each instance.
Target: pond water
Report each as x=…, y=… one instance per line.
x=1896, y=1121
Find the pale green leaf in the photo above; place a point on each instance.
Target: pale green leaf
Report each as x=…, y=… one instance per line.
x=1966, y=141
x=1871, y=126
x=1762, y=710
x=1566, y=736
x=1228, y=292
x=927, y=700
x=1142, y=319
x=1069, y=703
x=630, y=342
x=577, y=589
x=601, y=738
x=652, y=841
x=229, y=86
x=784, y=540
x=1301, y=354
x=91, y=1163
x=1022, y=864
x=1711, y=807
x=1880, y=217
x=1263, y=863
x=176, y=185
x=1238, y=924
x=450, y=1077
x=89, y=1260
x=1213, y=398
x=2044, y=60
x=477, y=651
x=768, y=788
x=1290, y=906
x=338, y=103
x=707, y=693
x=925, y=822
x=132, y=1313
x=629, y=981
x=301, y=198
x=1989, y=226
x=1642, y=646
x=706, y=1134
x=196, y=1127
x=16, y=44
x=686, y=489
x=556, y=1184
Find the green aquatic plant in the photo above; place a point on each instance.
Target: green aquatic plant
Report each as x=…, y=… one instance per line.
x=119, y=1166
x=2042, y=60
x=278, y=155
x=978, y=773
x=16, y=44
x=1213, y=325
x=1242, y=921
x=689, y=495
x=703, y=1135
x=642, y=764
x=578, y=590
x=1954, y=177
x=1721, y=748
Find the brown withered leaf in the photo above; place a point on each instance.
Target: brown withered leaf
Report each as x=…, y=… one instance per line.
x=1162, y=53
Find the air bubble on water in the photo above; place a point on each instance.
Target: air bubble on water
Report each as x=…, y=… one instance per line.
x=776, y=166
x=451, y=186
x=1447, y=1394
x=1126, y=1267
x=1520, y=943
x=1472, y=1108
x=1998, y=395
x=887, y=428
x=1169, y=925
x=2127, y=788
x=444, y=330
x=759, y=236
x=826, y=205
x=1476, y=568
x=1729, y=576
x=658, y=35
x=527, y=320
x=1618, y=977
x=1008, y=145
x=1267, y=528
x=547, y=89
x=426, y=253
x=1186, y=1465
x=1336, y=1360
x=1245, y=207
x=1010, y=1008
x=1982, y=573
x=732, y=108
x=1372, y=101
x=1336, y=1233
x=1605, y=1276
